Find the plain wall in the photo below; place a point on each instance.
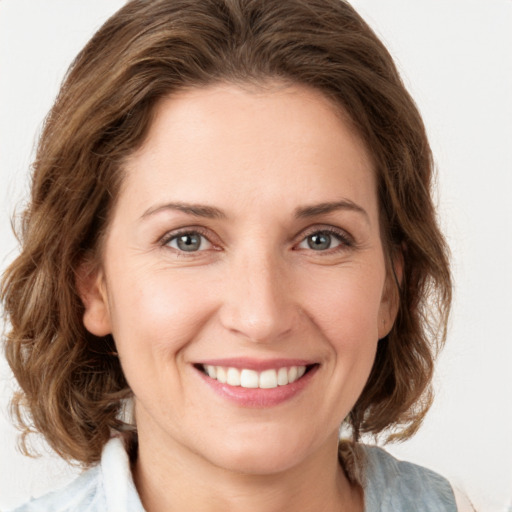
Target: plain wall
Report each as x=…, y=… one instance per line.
x=455, y=56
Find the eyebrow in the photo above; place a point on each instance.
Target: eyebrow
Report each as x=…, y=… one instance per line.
x=302, y=212
x=197, y=210
x=323, y=208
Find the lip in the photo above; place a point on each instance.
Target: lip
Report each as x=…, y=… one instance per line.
x=258, y=365
x=257, y=397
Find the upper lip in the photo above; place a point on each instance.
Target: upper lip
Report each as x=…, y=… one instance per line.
x=255, y=364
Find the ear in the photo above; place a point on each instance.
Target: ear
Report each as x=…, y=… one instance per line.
x=92, y=290
x=390, y=301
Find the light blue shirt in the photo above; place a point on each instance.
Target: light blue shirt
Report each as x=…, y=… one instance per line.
x=389, y=485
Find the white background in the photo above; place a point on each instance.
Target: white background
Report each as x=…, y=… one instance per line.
x=456, y=58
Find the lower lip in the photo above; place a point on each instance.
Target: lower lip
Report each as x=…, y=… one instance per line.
x=257, y=397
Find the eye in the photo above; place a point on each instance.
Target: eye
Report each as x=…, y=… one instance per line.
x=324, y=240
x=190, y=241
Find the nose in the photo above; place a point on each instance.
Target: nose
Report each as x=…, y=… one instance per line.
x=258, y=300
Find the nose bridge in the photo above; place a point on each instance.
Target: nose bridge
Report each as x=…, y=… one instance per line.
x=258, y=302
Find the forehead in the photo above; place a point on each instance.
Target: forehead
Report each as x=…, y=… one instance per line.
x=283, y=143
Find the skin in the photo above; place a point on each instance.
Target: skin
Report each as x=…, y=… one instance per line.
x=254, y=289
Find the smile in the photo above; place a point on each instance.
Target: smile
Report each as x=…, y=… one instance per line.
x=255, y=383
x=248, y=378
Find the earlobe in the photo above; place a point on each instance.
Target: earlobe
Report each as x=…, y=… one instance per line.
x=92, y=290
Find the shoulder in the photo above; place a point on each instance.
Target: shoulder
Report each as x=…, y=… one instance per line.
x=394, y=485
x=463, y=502
x=81, y=494
x=107, y=486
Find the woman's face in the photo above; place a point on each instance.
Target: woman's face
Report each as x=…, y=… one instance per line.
x=245, y=244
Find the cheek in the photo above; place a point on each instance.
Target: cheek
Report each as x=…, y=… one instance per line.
x=346, y=306
x=345, y=310
x=156, y=312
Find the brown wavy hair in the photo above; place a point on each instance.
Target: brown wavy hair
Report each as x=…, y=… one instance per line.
x=71, y=384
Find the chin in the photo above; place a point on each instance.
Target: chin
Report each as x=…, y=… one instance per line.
x=262, y=463
x=260, y=455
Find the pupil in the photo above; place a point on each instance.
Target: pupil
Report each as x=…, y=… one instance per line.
x=319, y=241
x=189, y=242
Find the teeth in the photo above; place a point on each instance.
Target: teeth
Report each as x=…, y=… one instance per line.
x=268, y=379
x=282, y=376
x=245, y=378
x=211, y=371
x=248, y=378
x=221, y=374
x=233, y=377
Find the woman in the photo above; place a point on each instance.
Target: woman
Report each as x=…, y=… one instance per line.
x=231, y=229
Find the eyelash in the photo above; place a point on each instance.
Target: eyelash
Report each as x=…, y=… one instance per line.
x=346, y=241
x=169, y=237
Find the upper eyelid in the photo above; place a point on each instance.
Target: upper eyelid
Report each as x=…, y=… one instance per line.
x=344, y=243
x=325, y=229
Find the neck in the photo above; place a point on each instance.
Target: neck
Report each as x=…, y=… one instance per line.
x=169, y=477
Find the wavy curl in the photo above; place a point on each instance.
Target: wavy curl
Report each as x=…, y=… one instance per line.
x=71, y=384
